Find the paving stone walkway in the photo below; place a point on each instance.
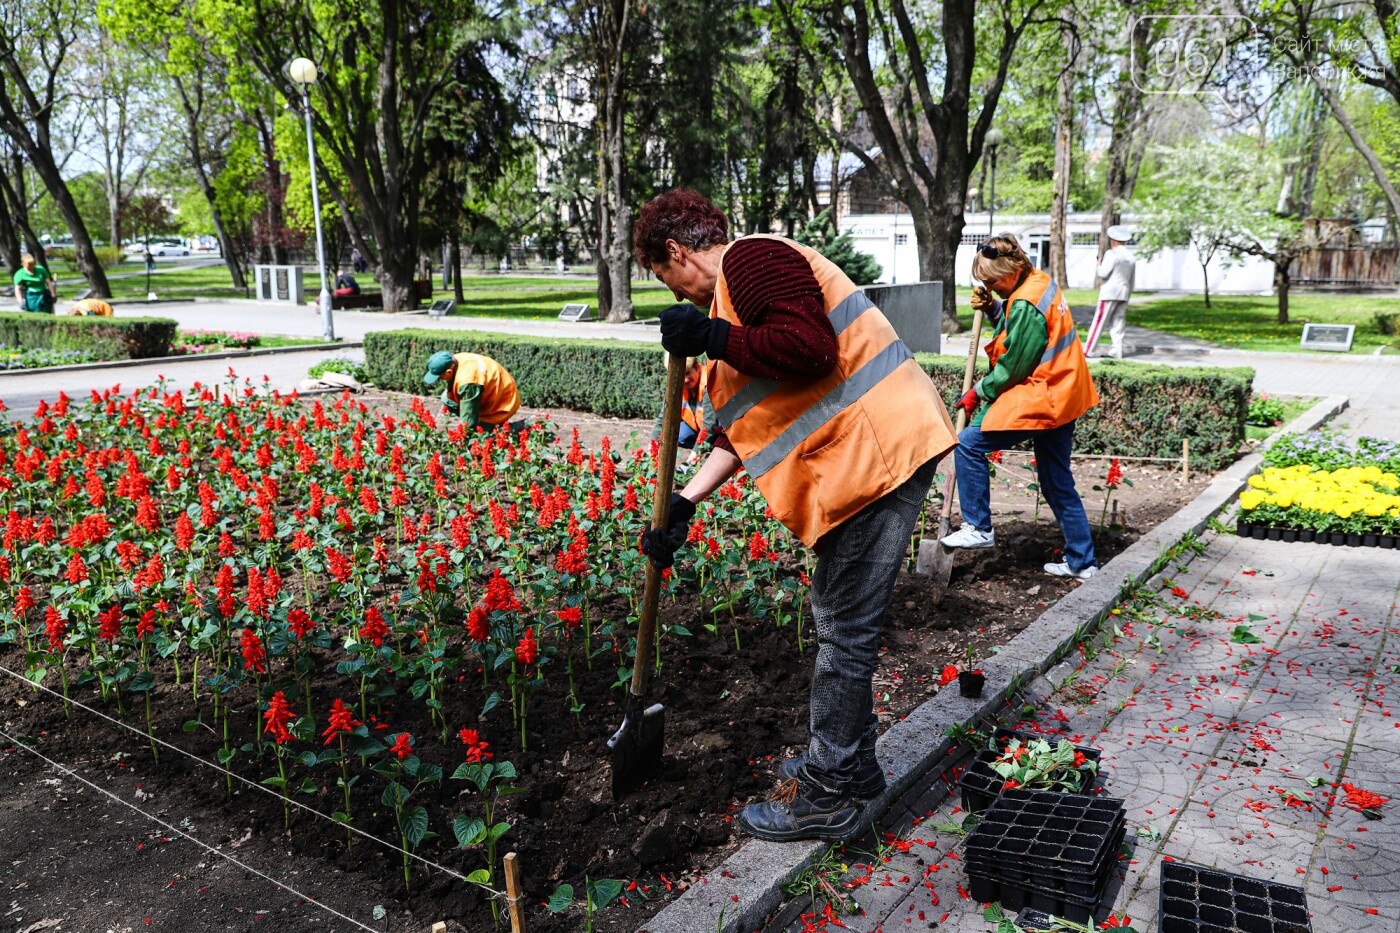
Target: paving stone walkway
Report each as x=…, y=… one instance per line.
x=1211, y=740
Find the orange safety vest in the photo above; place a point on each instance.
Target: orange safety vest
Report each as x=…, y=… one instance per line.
x=90, y=307
x=1060, y=389
x=821, y=451
x=692, y=400
x=499, y=397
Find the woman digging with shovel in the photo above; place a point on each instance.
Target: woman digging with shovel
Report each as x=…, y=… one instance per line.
x=840, y=429
x=1038, y=385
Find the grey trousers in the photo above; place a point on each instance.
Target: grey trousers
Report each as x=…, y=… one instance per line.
x=851, y=589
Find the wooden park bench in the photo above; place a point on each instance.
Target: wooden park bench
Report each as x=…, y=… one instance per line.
x=375, y=300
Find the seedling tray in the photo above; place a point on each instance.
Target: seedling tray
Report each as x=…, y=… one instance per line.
x=981, y=785
x=1084, y=884
x=1194, y=899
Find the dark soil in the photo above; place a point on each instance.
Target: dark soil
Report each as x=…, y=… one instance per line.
x=732, y=715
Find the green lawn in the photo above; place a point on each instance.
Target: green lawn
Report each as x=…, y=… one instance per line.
x=1251, y=323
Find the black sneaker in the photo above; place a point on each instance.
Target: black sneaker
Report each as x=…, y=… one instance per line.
x=868, y=783
x=799, y=810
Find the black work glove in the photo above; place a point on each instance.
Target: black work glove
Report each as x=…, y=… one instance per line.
x=685, y=331
x=661, y=544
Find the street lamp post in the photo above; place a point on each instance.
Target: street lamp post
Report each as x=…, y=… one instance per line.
x=993, y=139
x=302, y=71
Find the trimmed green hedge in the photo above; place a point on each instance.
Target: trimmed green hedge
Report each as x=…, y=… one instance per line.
x=1144, y=410
x=109, y=338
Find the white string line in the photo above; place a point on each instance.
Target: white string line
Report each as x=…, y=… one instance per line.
x=158, y=821
x=239, y=777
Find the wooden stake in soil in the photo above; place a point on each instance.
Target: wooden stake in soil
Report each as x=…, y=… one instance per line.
x=1185, y=460
x=514, y=897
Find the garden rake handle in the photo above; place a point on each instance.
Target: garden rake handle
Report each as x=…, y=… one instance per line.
x=660, y=516
x=968, y=372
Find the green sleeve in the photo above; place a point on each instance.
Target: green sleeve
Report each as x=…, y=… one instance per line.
x=1026, y=340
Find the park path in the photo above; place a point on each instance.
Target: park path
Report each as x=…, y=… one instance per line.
x=1206, y=738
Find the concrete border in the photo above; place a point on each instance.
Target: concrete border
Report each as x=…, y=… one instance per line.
x=747, y=887
x=190, y=358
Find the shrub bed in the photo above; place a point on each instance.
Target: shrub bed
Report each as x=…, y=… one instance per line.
x=106, y=338
x=1145, y=411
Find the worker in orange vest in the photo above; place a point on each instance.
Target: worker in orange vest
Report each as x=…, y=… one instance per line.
x=1037, y=387
x=478, y=388
x=824, y=406
x=90, y=307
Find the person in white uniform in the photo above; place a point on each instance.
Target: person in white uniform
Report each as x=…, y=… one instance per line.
x=1116, y=274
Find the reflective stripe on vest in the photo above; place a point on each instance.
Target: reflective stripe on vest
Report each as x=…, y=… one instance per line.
x=842, y=396
x=756, y=390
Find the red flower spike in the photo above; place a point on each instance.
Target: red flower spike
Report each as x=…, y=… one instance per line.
x=341, y=720
x=276, y=717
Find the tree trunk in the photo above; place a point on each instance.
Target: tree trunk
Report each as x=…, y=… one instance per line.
x=1283, y=263
x=1124, y=151
x=194, y=144
x=13, y=193
x=1392, y=197
x=455, y=258
x=619, y=244
x=86, y=256
x=939, y=232
x=1205, y=279
x=9, y=230
x=1059, y=202
x=272, y=167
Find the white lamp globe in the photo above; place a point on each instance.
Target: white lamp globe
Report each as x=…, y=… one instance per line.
x=302, y=71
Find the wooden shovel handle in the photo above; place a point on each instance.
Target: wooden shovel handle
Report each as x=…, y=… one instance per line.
x=968, y=372
x=660, y=516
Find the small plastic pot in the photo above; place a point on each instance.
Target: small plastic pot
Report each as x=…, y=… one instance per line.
x=1290, y=535
x=1370, y=540
x=970, y=684
x=1386, y=542
x=1305, y=534
x=1258, y=532
x=1243, y=528
x=1275, y=534
x=1353, y=540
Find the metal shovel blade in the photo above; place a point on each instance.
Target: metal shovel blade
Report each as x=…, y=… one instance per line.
x=637, y=745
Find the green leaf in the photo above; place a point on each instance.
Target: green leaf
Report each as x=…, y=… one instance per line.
x=480, y=876
x=225, y=755
x=190, y=725
x=602, y=892
x=1255, y=617
x=142, y=682
x=308, y=786
x=278, y=782
x=468, y=830
x=309, y=759
x=1316, y=781
x=504, y=771
x=1243, y=636
x=491, y=702
x=560, y=900
x=497, y=831
x=378, y=912
x=414, y=825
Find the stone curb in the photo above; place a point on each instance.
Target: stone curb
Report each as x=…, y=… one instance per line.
x=192, y=358
x=747, y=887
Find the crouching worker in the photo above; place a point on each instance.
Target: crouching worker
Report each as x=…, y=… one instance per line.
x=90, y=307
x=1037, y=388
x=821, y=402
x=35, y=289
x=478, y=389
x=697, y=417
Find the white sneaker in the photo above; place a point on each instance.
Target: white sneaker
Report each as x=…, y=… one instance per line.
x=969, y=537
x=1062, y=570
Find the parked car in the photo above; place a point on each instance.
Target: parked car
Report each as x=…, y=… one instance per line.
x=169, y=249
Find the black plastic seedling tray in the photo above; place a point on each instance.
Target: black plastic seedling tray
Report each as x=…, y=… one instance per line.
x=1194, y=899
x=1044, y=850
x=981, y=785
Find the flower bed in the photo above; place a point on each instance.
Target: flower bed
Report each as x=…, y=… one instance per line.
x=391, y=621
x=38, y=357
x=1318, y=488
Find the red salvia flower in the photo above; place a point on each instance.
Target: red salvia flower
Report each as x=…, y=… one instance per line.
x=24, y=601
x=338, y=565
x=184, y=532
x=1115, y=475
x=500, y=594
x=758, y=546
x=55, y=626
x=276, y=718
x=476, y=749
x=949, y=674
x=571, y=616
x=300, y=623
x=254, y=655
x=146, y=625
x=374, y=629
x=478, y=629
x=527, y=652
x=342, y=720
x=77, y=570
x=109, y=624
x=301, y=541
x=403, y=745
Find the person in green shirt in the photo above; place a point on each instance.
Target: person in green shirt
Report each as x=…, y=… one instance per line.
x=35, y=289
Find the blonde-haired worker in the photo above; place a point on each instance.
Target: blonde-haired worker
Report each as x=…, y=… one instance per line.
x=1038, y=385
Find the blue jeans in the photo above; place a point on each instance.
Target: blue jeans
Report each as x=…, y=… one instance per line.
x=851, y=587
x=1052, y=449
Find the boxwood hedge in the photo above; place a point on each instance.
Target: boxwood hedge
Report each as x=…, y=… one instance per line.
x=1144, y=410
x=108, y=338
